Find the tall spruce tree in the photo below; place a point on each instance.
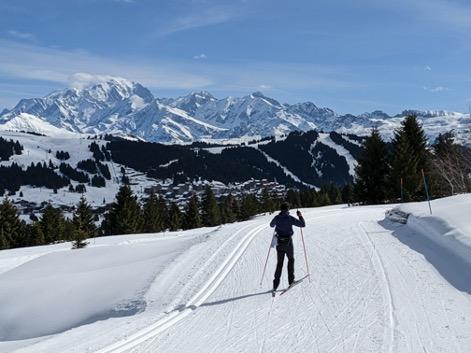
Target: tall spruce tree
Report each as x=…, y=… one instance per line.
x=192, y=218
x=125, y=216
x=249, y=207
x=37, y=235
x=372, y=170
x=267, y=203
x=408, y=159
x=174, y=217
x=84, y=226
x=10, y=226
x=52, y=224
x=211, y=214
x=229, y=209
x=3, y=239
x=153, y=221
x=335, y=195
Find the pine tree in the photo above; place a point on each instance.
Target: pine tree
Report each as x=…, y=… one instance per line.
x=174, y=217
x=249, y=207
x=192, y=214
x=37, y=235
x=335, y=195
x=84, y=226
x=163, y=210
x=347, y=194
x=229, y=209
x=324, y=199
x=52, y=224
x=11, y=225
x=153, y=221
x=211, y=214
x=267, y=203
x=372, y=170
x=409, y=158
x=124, y=217
x=3, y=239
x=293, y=198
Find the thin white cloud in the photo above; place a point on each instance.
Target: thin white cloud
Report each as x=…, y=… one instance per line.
x=32, y=62
x=201, y=56
x=427, y=68
x=20, y=35
x=29, y=65
x=436, y=89
x=206, y=17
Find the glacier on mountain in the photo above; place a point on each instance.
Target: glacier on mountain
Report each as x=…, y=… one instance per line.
x=113, y=105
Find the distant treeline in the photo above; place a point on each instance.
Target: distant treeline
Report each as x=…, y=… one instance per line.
x=126, y=215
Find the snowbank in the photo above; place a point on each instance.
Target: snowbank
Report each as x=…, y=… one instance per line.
x=448, y=227
x=52, y=289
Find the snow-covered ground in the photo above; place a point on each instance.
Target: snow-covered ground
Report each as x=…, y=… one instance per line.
x=376, y=286
x=40, y=149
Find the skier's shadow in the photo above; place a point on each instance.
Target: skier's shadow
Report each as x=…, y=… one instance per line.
x=233, y=299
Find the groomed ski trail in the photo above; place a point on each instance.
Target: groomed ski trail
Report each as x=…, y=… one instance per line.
x=178, y=314
x=355, y=302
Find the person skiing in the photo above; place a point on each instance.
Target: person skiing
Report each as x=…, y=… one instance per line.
x=283, y=223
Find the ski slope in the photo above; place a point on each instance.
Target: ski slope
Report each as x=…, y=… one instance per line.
x=376, y=286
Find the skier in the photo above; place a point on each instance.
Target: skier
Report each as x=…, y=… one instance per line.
x=283, y=223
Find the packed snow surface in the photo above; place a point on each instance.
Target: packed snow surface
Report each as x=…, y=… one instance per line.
x=375, y=286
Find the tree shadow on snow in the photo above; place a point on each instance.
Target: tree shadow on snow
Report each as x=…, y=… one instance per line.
x=455, y=269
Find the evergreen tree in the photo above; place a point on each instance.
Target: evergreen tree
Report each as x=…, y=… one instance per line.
x=153, y=221
x=293, y=199
x=192, y=214
x=3, y=240
x=52, y=224
x=347, y=194
x=11, y=226
x=174, y=217
x=372, y=170
x=211, y=214
x=335, y=195
x=324, y=199
x=229, y=209
x=84, y=226
x=37, y=235
x=267, y=203
x=124, y=217
x=409, y=158
x=249, y=207
x=163, y=211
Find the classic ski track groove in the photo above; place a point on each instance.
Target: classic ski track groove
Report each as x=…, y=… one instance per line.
x=387, y=286
x=208, y=288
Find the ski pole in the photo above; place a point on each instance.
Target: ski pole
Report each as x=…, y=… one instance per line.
x=305, y=256
x=266, y=262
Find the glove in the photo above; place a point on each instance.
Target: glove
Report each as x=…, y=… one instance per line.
x=298, y=212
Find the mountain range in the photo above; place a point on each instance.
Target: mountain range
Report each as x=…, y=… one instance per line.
x=125, y=108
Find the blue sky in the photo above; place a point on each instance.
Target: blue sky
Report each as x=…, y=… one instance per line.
x=351, y=56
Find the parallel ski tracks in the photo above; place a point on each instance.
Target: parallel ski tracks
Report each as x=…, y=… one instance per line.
x=193, y=303
x=387, y=287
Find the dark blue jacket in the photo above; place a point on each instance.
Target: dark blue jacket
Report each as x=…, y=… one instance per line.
x=284, y=222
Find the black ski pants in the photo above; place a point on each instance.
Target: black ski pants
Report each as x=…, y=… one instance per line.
x=282, y=249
